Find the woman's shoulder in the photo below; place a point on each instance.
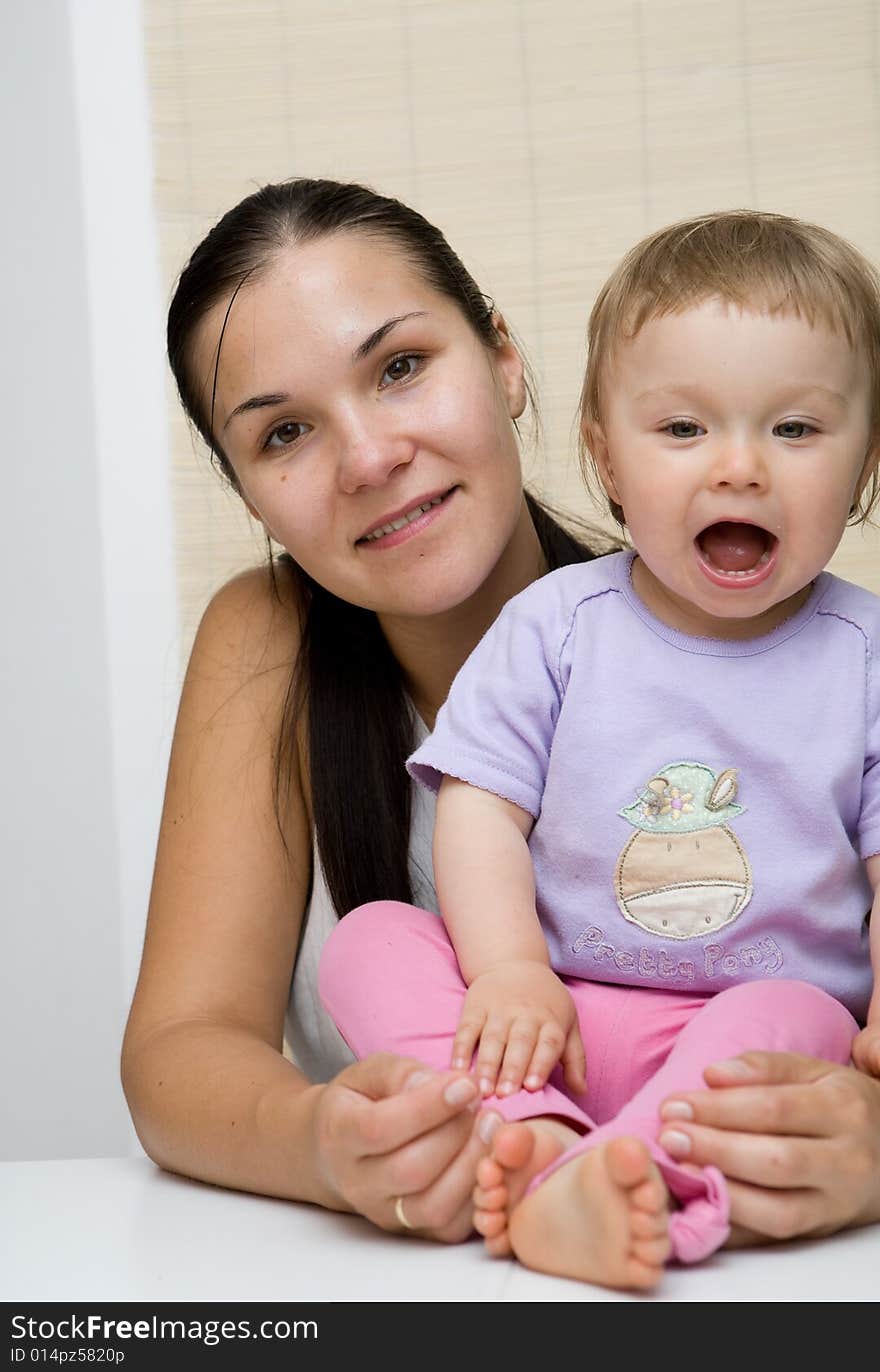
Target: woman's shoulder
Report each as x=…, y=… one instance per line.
x=252, y=624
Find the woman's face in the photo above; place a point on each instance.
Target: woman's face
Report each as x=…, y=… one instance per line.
x=370, y=430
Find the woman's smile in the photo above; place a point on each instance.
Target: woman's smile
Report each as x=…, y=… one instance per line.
x=399, y=526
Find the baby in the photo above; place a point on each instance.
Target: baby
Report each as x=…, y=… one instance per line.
x=661, y=771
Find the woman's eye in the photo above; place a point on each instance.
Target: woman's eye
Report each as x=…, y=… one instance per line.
x=793, y=428
x=401, y=368
x=684, y=428
x=285, y=434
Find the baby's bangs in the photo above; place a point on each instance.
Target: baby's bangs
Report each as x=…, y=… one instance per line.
x=825, y=302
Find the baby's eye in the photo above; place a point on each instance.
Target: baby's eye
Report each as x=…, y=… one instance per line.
x=683, y=428
x=284, y=434
x=793, y=428
x=401, y=368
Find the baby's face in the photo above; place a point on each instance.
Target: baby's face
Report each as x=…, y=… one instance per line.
x=735, y=442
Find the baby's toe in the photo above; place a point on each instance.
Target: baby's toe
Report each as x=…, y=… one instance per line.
x=499, y=1247
x=650, y=1197
x=652, y=1252
x=648, y=1224
x=489, y=1174
x=513, y=1145
x=490, y=1223
x=493, y=1199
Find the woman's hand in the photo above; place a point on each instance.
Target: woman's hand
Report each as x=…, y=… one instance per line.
x=522, y=1021
x=388, y=1128
x=866, y=1050
x=797, y=1139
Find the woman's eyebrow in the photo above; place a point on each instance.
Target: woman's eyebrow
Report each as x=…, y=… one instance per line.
x=375, y=338
x=256, y=402
x=262, y=402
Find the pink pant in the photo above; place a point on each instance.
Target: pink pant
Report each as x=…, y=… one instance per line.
x=390, y=979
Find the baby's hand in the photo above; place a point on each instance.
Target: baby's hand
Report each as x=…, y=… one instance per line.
x=866, y=1050
x=524, y=1021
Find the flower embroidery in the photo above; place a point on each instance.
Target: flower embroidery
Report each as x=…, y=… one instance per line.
x=676, y=803
x=659, y=800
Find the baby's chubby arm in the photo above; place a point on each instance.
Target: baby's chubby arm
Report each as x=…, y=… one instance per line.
x=866, y=1047
x=516, y=1008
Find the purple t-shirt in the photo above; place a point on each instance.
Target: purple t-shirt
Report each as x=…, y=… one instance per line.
x=702, y=806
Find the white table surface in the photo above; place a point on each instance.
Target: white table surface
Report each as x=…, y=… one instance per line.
x=118, y=1229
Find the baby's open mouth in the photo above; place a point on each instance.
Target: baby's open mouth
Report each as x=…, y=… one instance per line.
x=735, y=550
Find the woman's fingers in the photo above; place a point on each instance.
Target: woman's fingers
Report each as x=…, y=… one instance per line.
x=418, y=1164
x=384, y=1125
x=443, y=1208
x=798, y=1140
x=866, y=1050
x=785, y=1110
x=769, y=1160
x=777, y=1215
x=380, y=1075
x=767, y=1069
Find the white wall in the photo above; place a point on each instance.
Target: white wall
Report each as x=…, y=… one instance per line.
x=89, y=647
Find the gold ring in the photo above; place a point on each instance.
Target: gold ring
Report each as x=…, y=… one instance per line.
x=401, y=1217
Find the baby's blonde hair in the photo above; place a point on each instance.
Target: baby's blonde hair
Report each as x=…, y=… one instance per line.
x=747, y=258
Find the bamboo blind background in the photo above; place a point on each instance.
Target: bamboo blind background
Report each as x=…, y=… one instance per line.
x=543, y=136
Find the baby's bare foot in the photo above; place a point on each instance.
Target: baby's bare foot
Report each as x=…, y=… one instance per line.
x=519, y=1152
x=602, y=1217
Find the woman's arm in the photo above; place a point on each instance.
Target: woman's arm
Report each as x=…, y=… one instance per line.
x=210, y=1092
x=517, y=1013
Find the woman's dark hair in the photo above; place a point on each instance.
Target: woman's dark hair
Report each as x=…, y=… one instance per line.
x=360, y=719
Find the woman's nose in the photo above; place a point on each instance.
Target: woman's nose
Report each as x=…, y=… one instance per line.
x=370, y=452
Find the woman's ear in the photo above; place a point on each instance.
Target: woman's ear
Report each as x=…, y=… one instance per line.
x=510, y=368
x=258, y=518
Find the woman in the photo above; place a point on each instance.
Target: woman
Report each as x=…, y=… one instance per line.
x=361, y=395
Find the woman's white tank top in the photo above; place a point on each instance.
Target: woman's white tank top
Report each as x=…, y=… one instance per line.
x=315, y=1043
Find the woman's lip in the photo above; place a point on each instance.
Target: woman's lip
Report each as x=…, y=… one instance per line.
x=394, y=540
x=402, y=510
x=739, y=581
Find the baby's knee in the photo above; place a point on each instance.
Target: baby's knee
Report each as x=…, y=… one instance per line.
x=780, y=991
x=359, y=939
x=356, y=933
x=793, y=1016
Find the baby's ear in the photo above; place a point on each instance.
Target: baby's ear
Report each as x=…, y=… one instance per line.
x=868, y=473
x=596, y=445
